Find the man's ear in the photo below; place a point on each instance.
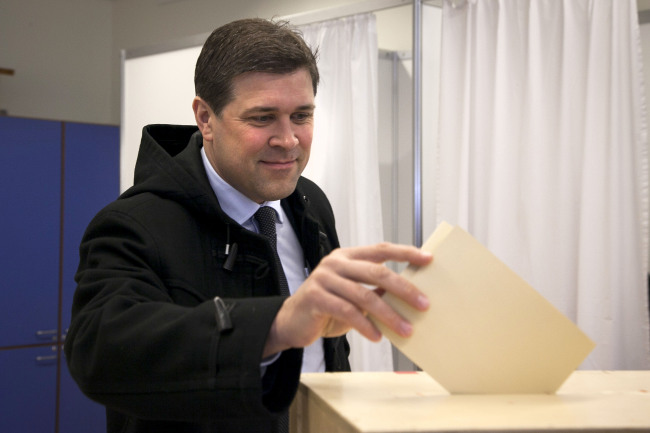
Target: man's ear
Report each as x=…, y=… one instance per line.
x=202, y=115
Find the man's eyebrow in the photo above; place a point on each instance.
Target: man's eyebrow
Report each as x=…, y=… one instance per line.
x=265, y=109
x=307, y=107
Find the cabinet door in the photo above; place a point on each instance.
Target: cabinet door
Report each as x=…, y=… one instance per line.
x=28, y=383
x=91, y=180
x=30, y=175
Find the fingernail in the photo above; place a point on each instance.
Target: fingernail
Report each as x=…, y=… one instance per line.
x=406, y=328
x=423, y=302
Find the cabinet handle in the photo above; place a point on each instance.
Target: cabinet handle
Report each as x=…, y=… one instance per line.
x=47, y=334
x=47, y=359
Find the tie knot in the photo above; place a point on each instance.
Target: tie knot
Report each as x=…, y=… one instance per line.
x=265, y=217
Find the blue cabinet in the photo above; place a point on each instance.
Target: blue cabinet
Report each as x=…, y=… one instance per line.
x=55, y=177
x=30, y=223
x=28, y=381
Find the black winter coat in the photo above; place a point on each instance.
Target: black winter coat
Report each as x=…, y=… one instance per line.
x=148, y=339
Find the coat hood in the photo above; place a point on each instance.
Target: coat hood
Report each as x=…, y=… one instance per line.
x=169, y=165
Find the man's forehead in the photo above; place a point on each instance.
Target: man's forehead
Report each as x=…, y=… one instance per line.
x=299, y=78
x=263, y=91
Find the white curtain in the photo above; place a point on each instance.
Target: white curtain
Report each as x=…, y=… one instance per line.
x=543, y=156
x=344, y=160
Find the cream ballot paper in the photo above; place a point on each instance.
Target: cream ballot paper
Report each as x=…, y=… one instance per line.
x=487, y=330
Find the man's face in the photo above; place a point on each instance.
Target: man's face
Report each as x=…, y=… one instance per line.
x=261, y=141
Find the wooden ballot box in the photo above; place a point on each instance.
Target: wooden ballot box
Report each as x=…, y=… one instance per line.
x=589, y=401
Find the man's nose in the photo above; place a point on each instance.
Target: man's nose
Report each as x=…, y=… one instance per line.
x=284, y=135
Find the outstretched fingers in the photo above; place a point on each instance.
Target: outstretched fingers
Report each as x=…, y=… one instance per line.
x=347, y=275
x=369, y=302
x=336, y=297
x=364, y=265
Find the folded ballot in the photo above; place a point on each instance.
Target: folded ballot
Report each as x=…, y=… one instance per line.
x=487, y=330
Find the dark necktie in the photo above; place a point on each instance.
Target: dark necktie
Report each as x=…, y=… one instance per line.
x=265, y=217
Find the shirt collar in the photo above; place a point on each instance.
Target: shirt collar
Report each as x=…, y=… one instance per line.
x=235, y=204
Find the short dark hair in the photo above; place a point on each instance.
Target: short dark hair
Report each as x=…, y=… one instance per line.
x=249, y=45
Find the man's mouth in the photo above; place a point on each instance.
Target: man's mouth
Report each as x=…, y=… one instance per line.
x=279, y=164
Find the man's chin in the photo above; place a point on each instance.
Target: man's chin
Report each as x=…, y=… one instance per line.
x=278, y=192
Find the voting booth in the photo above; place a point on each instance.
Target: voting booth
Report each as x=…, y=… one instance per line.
x=589, y=401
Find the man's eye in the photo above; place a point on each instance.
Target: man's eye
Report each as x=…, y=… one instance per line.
x=261, y=119
x=302, y=117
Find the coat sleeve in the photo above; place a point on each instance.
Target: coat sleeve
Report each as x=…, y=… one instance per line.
x=131, y=348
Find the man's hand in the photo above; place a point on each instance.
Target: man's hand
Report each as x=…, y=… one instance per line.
x=335, y=297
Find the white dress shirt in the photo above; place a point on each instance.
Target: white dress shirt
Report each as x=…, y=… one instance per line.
x=242, y=209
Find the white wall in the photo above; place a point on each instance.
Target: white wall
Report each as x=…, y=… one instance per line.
x=60, y=52
x=66, y=53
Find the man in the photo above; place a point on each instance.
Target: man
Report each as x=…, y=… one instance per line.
x=179, y=323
